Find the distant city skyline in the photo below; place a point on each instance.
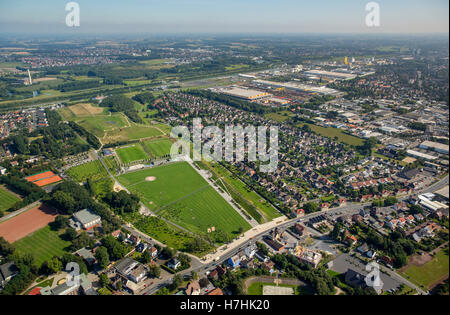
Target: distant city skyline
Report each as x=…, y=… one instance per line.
x=220, y=16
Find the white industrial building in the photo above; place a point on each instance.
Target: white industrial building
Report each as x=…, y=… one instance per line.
x=435, y=146
x=421, y=155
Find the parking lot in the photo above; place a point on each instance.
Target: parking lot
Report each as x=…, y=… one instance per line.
x=345, y=261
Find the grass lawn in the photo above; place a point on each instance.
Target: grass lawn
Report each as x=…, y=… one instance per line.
x=98, y=125
x=137, y=82
x=335, y=132
x=164, y=232
x=429, y=273
x=93, y=170
x=104, y=291
x=111, y=164
x=158, y=148
x=66, y=113
x=243, y=191
x=101, y=187
x=181, y=195
x=42, y=244
x=43, y=284
x=256, y=288
x=279, y=117
x=7, y=199
x=132, y=153
x=132, y=133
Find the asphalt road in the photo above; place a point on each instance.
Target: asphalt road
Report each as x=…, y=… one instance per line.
x=201, y=268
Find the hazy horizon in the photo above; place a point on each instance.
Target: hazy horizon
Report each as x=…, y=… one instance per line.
x=224, y=17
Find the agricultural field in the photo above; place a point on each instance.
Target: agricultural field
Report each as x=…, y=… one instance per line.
x=431, y=272
x=66, y=113
x=86, y=109
x=178, y=193
x=7, y=199
x=93, y=170
x=158, y=148
x=132, y=153
x=42, y=244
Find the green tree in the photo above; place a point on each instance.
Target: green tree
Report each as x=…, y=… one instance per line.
x=154, y=271
x=102, y=257
x=104, y=280
x=70, y=234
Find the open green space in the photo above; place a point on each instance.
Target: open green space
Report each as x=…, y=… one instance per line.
x=242, y=194
x=101, y=123
x=159, y=147
x=335, y=132
x=132, y=153
x=7, y=199
x=181, y=195
x=279, y=117
x=326, y=132
x=132, y=133
x=101, y=187
x=431, y=272
x=111, y=164
x=93, y=170
x=42, y=244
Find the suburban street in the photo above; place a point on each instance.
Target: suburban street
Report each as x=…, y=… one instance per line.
x=256, y=234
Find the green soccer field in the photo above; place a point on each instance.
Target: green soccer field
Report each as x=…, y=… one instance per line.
x=158, y=148
x=42, y=244
x=93, y=170
x=131, y=154
x=6, y=199
x=181, y=195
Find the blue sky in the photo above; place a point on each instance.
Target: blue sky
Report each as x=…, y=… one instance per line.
x=224, y=16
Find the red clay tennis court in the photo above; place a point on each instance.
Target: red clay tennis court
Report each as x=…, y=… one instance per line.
x=26, y=223
x=39, y=176
x=44, y=178
x=48, y=181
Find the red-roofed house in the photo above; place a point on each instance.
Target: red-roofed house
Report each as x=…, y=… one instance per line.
x=351, y=240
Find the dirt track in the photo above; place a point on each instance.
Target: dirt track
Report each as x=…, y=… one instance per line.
x=27, y=223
